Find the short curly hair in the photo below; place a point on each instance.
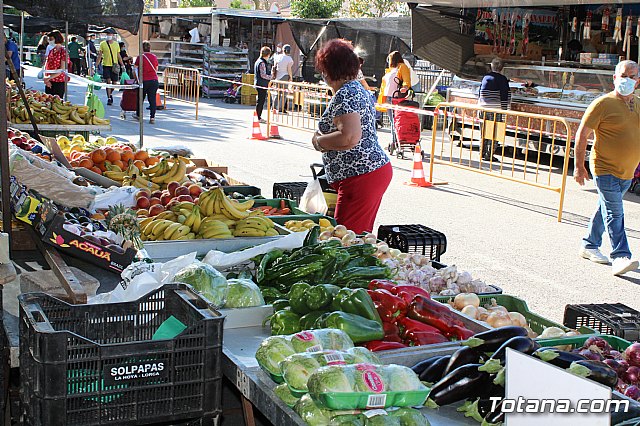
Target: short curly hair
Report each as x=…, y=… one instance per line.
x=337, y=60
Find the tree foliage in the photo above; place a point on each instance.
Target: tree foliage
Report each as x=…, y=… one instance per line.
x=197, y=3
x=315, y=9
x=237, y=4
x=372, y=8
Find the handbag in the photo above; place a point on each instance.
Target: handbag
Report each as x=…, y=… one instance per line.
x=115, y=68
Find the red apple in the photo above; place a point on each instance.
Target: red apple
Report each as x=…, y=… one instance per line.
x=182, y=198
x=143, y=203
x=10, y=133
x=156, y=194
x=154, y=200
x=143, y=193
x=171, y=187
x=181, y=190
x=195, y=190
x=156, y=210
x=17, y=140
x=166, y=199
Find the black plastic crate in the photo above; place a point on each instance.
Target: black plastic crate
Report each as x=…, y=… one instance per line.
x=289, y=190
x=414, y=239
x=615, y=319
x=98, y=365
x=246, y=190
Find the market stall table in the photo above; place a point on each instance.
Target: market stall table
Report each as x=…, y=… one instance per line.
x=239, y=365
x=59, y=129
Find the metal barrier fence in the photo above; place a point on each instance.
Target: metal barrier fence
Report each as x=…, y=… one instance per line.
x=304, y=104
x=428, y=77
x=182, y=84
x=522, y=140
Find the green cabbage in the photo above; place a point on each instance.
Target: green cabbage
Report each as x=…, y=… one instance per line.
x=317, y=340
x=282, y=392
x=383, y=420
x=348, y=420
x=316, y=416
x=205, y=279
x=297, y=368
x=333, y=378
x=402, y=378
x=243, y=293
x=435, y=99
x=409, y=417
x=272, y=351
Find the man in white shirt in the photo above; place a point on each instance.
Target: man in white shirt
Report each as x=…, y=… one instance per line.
x=283, y=71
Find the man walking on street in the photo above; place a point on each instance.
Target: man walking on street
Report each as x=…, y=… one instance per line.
x=74, y=55
x=284, y=71
x=261, y=80
x=91, y=52
x=112, y=65
x=615, y=119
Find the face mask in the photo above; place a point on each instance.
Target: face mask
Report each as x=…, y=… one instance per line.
x=51, y=42
x=625, y=85
x=109, y=38
x=278, y=50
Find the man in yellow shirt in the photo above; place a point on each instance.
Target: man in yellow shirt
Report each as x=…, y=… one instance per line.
x=109, y=55
x=615, y=119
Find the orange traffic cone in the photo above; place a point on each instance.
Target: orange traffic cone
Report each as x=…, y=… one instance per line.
x=256, y=133
x=417, y=175
x=274, y=133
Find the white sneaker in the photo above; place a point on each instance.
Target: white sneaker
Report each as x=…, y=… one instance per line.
x=593, y=255
x=622, y=265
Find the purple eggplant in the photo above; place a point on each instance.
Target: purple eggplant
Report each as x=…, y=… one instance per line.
x=597, y=371
x=489, y=341
x=423, y=365
x=462, y=383
x=557, y=357
x=435, y=371
x=522, y=344
x=463, y=356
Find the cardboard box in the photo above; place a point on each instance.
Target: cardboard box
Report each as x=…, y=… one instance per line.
x=23, y=203
x=49, y=225
x=206, y=164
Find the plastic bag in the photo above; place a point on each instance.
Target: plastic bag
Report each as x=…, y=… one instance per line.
x=41, y=74
x=221, y=260
x=313, y=201
x=243, y=293
x=124, y=195
x=124, y=77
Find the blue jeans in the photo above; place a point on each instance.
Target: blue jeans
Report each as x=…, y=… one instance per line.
x=393, y=127
x=610, y=212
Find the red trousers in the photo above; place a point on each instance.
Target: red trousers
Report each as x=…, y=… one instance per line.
x=359, y=198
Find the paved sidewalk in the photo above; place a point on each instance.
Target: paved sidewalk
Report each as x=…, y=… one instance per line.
x=500, y=231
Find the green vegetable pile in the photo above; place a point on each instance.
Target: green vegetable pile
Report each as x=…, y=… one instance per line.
x=205, y=279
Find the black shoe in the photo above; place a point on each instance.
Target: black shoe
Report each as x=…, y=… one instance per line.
x=110, y=101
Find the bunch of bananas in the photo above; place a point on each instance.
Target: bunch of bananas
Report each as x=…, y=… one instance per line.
x=167, y=170
x=55, y=112
x=304, y=225
x=228, y=219
x=132, y=176
x=164, y=227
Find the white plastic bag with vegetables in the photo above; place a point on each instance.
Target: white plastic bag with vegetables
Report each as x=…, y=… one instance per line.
x=206, y=280
x=243, y=293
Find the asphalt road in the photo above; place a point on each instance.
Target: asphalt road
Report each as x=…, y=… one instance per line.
x=504, y=233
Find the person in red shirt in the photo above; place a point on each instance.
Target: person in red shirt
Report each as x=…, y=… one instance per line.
x=149, y=79
x=56, y=60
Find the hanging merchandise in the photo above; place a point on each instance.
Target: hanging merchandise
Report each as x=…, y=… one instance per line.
x=496, y=30
x=574, y=25
x=617, y=30
x=525, y=32
x=505, y=33
x=605, y=19
x=512, y=42
x=586, y=29
x=626, y=47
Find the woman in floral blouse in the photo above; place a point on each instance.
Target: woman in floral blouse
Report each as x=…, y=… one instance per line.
x=57, y=60
x=355, y=164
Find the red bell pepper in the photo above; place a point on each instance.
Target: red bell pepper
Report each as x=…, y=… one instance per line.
x=390, y=306
x=459, y=333
x=433, y=313
x=408, y=292
x=382, y=345
x=420, y=338
x=385, y=284
x=408, y=325
x=391, y=332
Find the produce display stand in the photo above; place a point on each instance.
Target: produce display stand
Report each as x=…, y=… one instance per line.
x=54, y=130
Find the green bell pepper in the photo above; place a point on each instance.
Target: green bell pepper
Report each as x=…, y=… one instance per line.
x=266, y=262
x=285, y=322
x=321, y=296
x=271, y=294
x=308, y=321
x=312, y=236
x=358, y=328
x=356, y=301
x=280, y=305
x=321, y=322
x=298, y=298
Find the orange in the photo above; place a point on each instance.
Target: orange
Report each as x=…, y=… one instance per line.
x=151, y=161
x=98, y=156
x=139, y=164
x=113, y=156
x=141, y=155
x=86, y=163
x=120, y=164
x=126, y=156
x=96, y=169
x=74, y=164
